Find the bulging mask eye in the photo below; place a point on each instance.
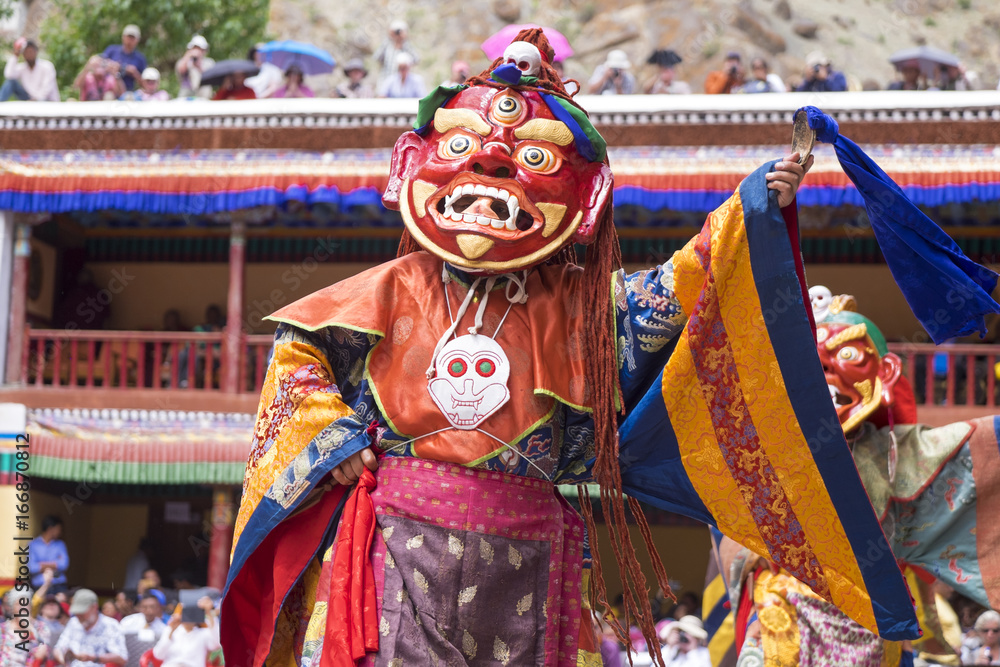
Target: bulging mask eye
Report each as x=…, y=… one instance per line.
x=849, y=354
x=507, y=109
x=457, y=146
x=538, y=159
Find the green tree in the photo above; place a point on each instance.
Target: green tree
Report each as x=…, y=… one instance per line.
x=74, y=30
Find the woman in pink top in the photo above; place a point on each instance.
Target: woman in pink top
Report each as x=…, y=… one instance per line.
x=294, y=86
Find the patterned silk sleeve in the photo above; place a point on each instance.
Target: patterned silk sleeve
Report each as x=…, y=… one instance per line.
x=649, y=318
x=304, y=426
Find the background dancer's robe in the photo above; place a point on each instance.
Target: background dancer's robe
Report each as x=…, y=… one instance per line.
x=727, y=419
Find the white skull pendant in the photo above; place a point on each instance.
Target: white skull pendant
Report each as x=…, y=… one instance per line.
x=470, y=381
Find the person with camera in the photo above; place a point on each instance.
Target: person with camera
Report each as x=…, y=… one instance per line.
x=820, y=77
x=34, y=79
x=684, y=643
x=387, y=53
x=191, y=66
x=722, y=82
x=613, y=77
x=188, y=641
x=130, y=60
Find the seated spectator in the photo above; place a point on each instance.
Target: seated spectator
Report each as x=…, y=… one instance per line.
x=32, y=80
x=356, y=86
x=762, y=80
x=612, y=77
x=130, y=59
x=386, y=55
x=48, y=552
x=186, y=643
x=234, y=88
x=270, y=77
x=109, y=609
x=191, y=66
x=912, y=79
x=459, y=73
x=404, y=83
x=294, y=86
x=17, y=650
x=124, y=604
x=665, y=82
x=149, y=89
x=49, y=621
x=820, y=77
x=147, y=623
x=987, y=630
x=722, y=82
x=684, y=643
x=150, y=580
x=99, y=80
x=90, y=636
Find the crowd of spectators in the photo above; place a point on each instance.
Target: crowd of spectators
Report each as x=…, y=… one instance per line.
x=52, y=623
x=122, y=72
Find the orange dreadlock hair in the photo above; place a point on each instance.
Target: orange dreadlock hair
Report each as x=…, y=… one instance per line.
x=603, y=259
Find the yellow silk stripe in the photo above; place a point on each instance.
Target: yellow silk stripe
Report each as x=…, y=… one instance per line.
x=699, y=452
x=300, y=420
x=722, y=640
x=713, y=593
x=770, y=409
x=777, y=426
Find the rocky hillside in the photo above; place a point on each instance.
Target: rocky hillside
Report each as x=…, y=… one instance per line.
x=858, y=35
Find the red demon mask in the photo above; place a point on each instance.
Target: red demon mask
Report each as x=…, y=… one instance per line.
x=861, y=377
x=497, y=183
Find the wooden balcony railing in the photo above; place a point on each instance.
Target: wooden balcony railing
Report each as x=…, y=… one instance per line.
x=185, y=361
x=951, y=375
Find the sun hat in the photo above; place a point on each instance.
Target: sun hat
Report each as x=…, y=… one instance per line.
x=133, y=30
x=198, y=41
x=150, y=74
x=689, y=624
x=617, y=59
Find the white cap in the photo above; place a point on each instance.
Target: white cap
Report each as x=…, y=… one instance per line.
x=150, y=74
x=817, y=58
x=404, y=58
x=617, y=60
x=198, y=41
x=133, y=30
x=398, y=25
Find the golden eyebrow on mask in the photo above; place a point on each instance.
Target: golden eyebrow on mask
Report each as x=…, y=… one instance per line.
x=543, y=129
x=446, y=119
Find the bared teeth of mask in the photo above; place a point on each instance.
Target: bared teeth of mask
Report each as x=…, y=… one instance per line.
x=493, y=192
x=479, y=190
x=483, y=220
x=468, y=217
x=457, y=217
x=497, y=224
x=510, y=224
x=468, y=189
x=503, y=194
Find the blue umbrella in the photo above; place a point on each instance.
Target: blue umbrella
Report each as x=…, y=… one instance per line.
x=309, y=58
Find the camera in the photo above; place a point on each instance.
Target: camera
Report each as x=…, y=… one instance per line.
x=397, y=31
x=817, y=68
x=615, y=72
x=683, y=637
x=733, y=69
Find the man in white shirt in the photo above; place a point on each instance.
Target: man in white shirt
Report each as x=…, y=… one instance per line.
x=186, y=644
x=34, y=79
x=147, y=623
x=90, y=639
